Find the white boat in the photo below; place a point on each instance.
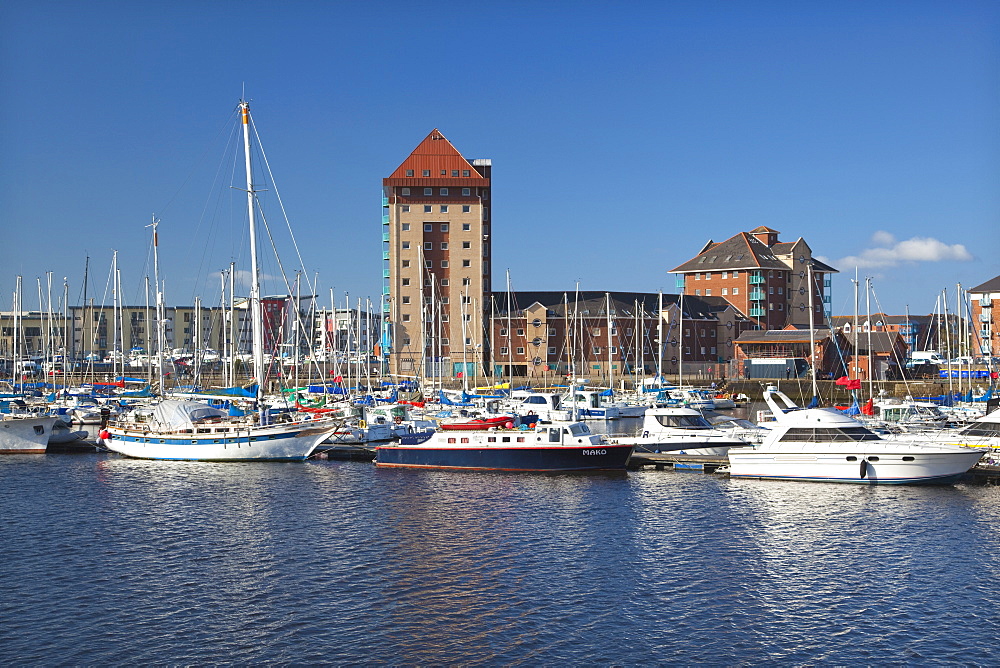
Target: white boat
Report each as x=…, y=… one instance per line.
x=24, y=435
x=824, y=445
x=196, y=431
x=191, y=430
x=681, y=431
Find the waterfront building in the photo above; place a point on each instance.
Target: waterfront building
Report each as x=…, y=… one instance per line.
x=764, y=278
x=918, y=332
x=437, y=257
x=607, y=337
x=985, y=299
x=346, y=332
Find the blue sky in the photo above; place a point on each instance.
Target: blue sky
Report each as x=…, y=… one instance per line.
x=623, y=135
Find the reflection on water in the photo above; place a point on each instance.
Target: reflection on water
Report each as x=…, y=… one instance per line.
x=339, y=562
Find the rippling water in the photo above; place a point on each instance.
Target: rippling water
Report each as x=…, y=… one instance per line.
x=115, y=561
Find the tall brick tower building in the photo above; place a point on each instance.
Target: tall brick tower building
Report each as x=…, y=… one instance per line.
x=436, y=254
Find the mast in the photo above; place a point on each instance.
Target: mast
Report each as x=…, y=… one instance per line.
x=659, y=339
x=611, y=379
x=812, y=332
x=160, y=314
x=256, y=317
x=868, y=309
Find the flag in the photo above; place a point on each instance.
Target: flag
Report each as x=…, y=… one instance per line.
x=848, y=383
x=458, y=375
x=869, y=407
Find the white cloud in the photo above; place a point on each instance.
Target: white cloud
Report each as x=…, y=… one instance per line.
x=889, y=253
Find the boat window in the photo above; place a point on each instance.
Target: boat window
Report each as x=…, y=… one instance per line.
x=873, y=459
x=982, y=429
x=491, y=439
x=465, y=440
x=683, y=421
x=505, y=439
x=520, y=439
x=852, y=458
x=451, y=440
x=907, y=458
x=553, y=435
x=828, y=435
x=579, y=429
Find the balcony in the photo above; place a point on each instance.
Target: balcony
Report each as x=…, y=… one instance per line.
x=757, y=295
x=826, y=299
x=385, y=219
x=385, y=273
x=756, y=279
x=385, y=201
x=827, y=283
x=985, y=333
x=679, y=282
x=985, y=302
x=757, y=312
x=385, y=236
x=984, y=317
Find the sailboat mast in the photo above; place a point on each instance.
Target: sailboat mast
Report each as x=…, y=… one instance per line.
x=812, y=331
x=256, y=317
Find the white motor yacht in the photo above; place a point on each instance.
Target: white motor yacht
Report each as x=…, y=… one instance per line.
x=680, y=431
x=824, y=445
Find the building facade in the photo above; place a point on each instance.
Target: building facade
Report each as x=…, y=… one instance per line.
x=985, y=301
x=437, y=259
x=764, y=278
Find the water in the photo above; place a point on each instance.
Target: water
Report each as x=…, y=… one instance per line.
x=115, y=561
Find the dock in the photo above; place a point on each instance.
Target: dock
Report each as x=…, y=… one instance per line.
x=677, y=462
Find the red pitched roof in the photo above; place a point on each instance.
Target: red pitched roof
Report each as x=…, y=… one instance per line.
x=436, y=154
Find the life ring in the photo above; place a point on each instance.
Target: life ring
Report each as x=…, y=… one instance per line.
x=398, y=419
x=362, y=424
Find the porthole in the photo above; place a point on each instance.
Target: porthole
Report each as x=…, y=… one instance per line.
x=873, y=459
x=907, y=458
x=852, y=458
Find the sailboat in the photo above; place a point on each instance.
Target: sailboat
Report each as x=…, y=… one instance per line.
x=190, y=430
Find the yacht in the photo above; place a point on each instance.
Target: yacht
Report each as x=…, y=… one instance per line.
x=680, y=431
x=824, y=445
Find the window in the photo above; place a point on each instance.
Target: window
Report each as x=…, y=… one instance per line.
x=770, y=274
x=736, y=274
x=552, y=351
x=708, y=274
x=444, y=208
x=444, y=264
x=713, y=350
x=454, y=172
x=465, y=172
x=406, y=317
x=428, y=245
x=466, y=263
x=428, y=227
x=503, y=350
x=406, y=245
x=466, y=281
x=444, y=282
x=428, y=192
x=406, y=281
x=781, y=307
x=736, y=291
x=770, y=291
x=725, y=291
x=445, y=342
x=697, y=292
x=444, y=245
x=466, y=227
x=520, y=350
x=466, y=192
x=708, y=292
x=486, y=213
x=444, y=192
x=406, y=263
x=426, y=172
x=427, y=208
x=612, y=350
x=406, y=208
x=406, y=300
x=406, y=227
x=697, y=276
x=703, y=350
x=466, y=208
x=770, y=307
x=520, y=332
x=409, y=172
x=725, y=274
x=552, y=331
x=444, y=227
x=466, y=244
x=781, y=291
x=430, y=265
x=405, y=191
x=444, y=172
x=503, y=331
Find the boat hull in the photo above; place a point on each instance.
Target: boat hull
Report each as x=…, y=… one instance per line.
x=258, y=445
x=888, y=468
x=23, y=436
x=480, y=457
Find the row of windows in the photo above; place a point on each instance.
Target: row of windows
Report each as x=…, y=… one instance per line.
x=444, y=227
x=442, y=208
x=444, y=172
x=445, y=192
x=735, y=273
x=444, y=318
x=427, y=282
